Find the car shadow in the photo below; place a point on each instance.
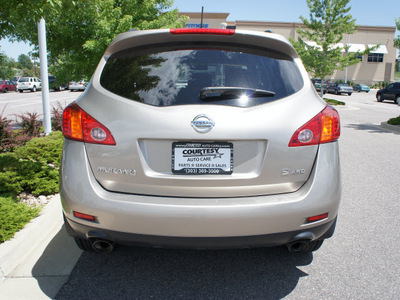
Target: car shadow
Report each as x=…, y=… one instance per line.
x=143, y=273
x=55, y=264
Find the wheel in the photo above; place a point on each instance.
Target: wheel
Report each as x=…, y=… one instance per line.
x=379, y=98
x=337, y=92
x=398, y=99
x=6, y=90
x=33, y=89
x=21, y=91
x=84, y=244
x=349, y=94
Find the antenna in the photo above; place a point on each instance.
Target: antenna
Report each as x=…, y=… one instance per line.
x=202, y=10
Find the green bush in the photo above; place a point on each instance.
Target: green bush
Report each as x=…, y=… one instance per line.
x=46, y=149
x=394, y=121
x=32, y=167
x=13, y=217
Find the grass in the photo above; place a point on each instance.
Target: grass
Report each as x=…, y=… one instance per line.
x=334, y=102
x=397, y=75
x=13, y=217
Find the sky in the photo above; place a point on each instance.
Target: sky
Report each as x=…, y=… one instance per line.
x=366, y=12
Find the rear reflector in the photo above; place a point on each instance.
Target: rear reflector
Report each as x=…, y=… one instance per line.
x=84, y=216
x=323, y=128
x=317, y=218
x=210, y=31
x=80, y=126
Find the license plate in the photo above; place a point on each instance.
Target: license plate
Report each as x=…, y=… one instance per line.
x=202, y=158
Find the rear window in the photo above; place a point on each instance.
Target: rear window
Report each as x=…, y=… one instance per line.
x=226, y=75
x=23, y=80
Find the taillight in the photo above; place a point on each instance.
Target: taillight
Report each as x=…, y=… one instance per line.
x=211, y=31
x=80, y=126
x=323, y=128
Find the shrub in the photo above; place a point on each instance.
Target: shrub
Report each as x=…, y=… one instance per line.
x=394, y=121
x=30, y=124
x=31, y=177
x=46, y=149
x=56, y=117
x=13, y=217
x=28, y=170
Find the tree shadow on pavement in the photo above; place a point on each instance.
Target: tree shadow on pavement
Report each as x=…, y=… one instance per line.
x=370, y=128
x=143, y=273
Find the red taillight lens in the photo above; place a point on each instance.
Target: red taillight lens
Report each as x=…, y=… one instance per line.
x=323, y=128
x=80, y=126
x=211, y=31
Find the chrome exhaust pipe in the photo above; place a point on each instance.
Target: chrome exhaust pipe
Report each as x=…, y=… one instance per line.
x=103, y=246
x=301, y=242
x=298, y=246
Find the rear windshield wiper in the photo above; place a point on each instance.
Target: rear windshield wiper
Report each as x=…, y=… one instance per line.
x=224, y=92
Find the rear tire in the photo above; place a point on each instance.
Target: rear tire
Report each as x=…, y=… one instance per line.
x=33, y=89
x=349, y=94
x=21, y=91
x=84, y=244
x=6, y=90
x=397, y=99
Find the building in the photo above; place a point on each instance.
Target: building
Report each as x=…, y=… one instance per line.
x=377, y=66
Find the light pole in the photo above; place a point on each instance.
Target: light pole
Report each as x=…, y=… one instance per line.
x=44, y=76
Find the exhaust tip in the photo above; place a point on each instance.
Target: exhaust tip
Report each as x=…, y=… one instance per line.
x=103, y=246
x=299, y=247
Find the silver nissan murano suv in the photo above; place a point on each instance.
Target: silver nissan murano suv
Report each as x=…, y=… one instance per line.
x=200, y=138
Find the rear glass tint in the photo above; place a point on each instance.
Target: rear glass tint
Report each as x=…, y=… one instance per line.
x=173, y=76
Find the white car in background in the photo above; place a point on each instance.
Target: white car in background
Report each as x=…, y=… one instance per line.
x=77, y=86
x=29, y=83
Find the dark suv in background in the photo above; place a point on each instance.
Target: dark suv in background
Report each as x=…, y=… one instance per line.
x=391, y=92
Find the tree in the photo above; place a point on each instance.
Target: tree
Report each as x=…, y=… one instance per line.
x=78, y=32
x=329, y=21
x=25, y=62
x=6, y=68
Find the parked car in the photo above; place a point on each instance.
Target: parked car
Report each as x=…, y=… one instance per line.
x=317, y=85
x=7, y=86
x=29, y=83
x=200, y=138
x=391, y=92
x=340, y=88
x=361, y=88
x=77, y=86
x=55, y=85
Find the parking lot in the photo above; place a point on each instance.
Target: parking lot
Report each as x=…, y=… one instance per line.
x=359, y=262
x=18, y=103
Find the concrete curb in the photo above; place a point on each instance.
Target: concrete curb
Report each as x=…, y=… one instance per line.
x=36, y=263
x=393, y=128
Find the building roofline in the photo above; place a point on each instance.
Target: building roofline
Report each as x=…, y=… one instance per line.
x=206, y=15
x=291, y=24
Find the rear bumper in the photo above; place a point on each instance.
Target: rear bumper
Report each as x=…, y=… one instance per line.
x=258, y=220
x=265, y=240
